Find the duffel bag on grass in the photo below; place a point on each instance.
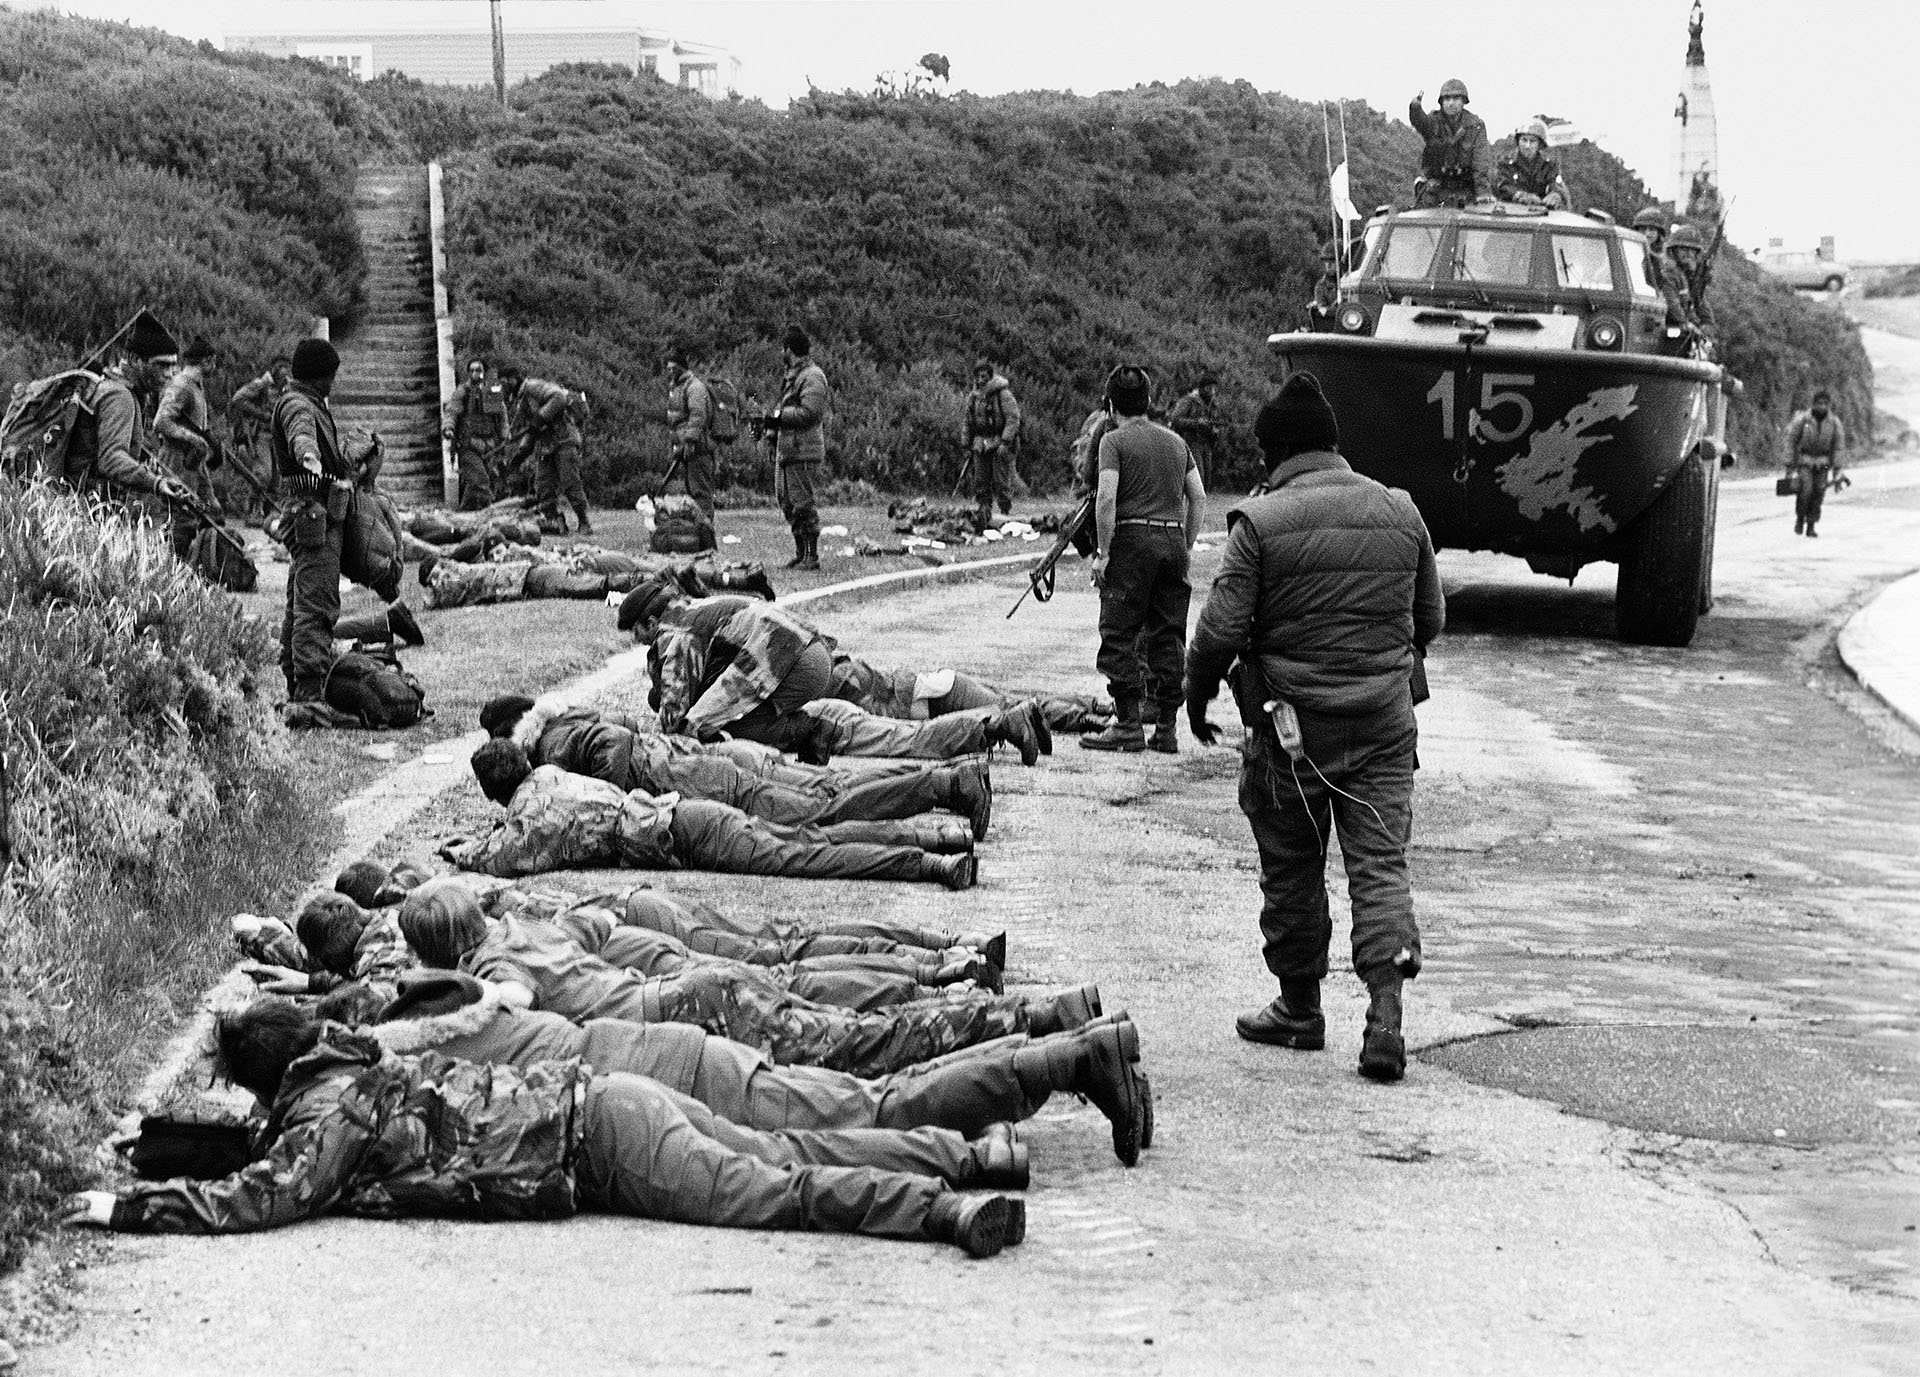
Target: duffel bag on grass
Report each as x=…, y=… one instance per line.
x=680, y=527
x=371, y=686
x=220, y=564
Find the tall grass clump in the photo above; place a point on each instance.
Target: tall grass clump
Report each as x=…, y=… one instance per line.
x=150, y=794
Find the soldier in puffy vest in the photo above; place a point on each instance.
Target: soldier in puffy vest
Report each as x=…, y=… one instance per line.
x=1527, y=176
x=991, y=434
x=1457, y=164
x=475, y=424
x=1815, y=438
x=1326, y=594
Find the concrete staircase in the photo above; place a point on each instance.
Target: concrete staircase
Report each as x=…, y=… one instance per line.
x=389, y=379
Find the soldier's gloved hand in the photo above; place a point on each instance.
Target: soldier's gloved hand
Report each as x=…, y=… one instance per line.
x=91, y=1209
x=770, y=421
x=1203, y=731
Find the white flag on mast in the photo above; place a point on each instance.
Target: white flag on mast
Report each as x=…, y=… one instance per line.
x=1343, y=195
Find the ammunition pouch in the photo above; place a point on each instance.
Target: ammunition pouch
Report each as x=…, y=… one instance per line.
x=1249, y=689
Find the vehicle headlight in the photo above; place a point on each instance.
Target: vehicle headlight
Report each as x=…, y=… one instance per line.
x=1604, y=332
x=1353, y=318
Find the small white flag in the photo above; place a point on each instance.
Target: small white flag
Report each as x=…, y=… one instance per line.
x=1342, y=195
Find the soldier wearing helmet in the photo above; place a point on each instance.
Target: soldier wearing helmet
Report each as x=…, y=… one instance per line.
x=1527, y=176
x=1662, y=275
x=1456, y=166
x=1687, y=254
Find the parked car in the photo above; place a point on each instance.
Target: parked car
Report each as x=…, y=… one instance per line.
x=1805, y=269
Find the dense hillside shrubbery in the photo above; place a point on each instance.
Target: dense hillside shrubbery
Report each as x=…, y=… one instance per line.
x=1058, y=234
x=138, y=169
x=150, y=792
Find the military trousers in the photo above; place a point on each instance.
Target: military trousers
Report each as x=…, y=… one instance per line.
x=846, y=982
x=556, y=475
x=476, y=458
x=1359, y=787
x=1810, y=492
x=313, y=602
x=700, y=472
x=828, y=727
x=884, y=799
x=714, y=836
x=713, y=933
x=993, y=479
x=1143, y=616
x=793, y=487
x=558, y=581
x=641, y=1154
x=794, y=1031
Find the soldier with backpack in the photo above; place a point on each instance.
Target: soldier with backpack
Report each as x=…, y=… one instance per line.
x=86, y=430
x=991, y=434
x=690, y=411
x=546, y=418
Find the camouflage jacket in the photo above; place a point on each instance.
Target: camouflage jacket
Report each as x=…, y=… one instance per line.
x=542, y=417
x=724, y=660
x=181, y=420
x=380, y=956
x=992, y=414
x=1536, y=176
x=561, y=821
x=1456, y=151
x=358, y=1130
x=453, y=584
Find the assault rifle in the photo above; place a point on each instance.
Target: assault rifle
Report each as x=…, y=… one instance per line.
x=1073, y=533
x=185, y=500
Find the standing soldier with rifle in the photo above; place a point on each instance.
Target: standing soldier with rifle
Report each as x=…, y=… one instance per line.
x=690, y=413
x=991, y=433
x=249, y=413
x=542, y=415
x=798, y=423
x=475, y=425
x=186, y=449
x=1193, y=420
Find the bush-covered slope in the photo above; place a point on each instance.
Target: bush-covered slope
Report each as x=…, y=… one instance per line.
x=1059, y=234
x=138, y=169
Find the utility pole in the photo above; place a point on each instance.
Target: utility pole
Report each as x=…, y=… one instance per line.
x=499, y=53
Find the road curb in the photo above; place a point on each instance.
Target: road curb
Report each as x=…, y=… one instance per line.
x=1881, y=645
x=392, y=800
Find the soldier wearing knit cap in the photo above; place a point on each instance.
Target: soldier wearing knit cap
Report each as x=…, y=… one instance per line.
x=799, y=424
x=1326, y=597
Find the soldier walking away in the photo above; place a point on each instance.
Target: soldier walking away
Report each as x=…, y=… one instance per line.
x=1815, y=438
x=1527, y=176
x=181, y=422
x=475, y=425
x=542, y=415
x=799, y=425
x=318, y=479
x=991, y=433
x=1194, y=420
x=1147, y=513
x=1457, y=163
x=1326, y=596
x=690, y=413
x=249, y=413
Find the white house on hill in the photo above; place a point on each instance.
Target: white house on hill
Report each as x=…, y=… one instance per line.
x=450, y=42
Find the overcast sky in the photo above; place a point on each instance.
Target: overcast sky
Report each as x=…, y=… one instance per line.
x=1813, y=99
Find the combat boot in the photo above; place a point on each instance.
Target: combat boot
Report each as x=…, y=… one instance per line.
x=1126, y=733
x=1014, y=727
x=1292, y=1020
x=582, y=525
x=1099, y=1065
x=1799, y=525
x=1166, y=732
x=810, y=559
x=947, y=837
x=955, y=872
x=1064, y=1012
x=1812, y=534
x=1000, y=1161
x=404, y=626
x=1042, y=729
x=970, y=792
x=978, y=1225
x=799, y=551
x=752, y=580
x=1383, y=1052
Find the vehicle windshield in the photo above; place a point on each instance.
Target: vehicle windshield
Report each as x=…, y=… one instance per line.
x=1372, y=242
x=1494, y=256
x=1410, y=250
x=1638, y=273
x=1581, y=262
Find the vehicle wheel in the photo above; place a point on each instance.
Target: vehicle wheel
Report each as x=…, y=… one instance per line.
x=1712, y=530
x=1834, y=283
x=1662, y=568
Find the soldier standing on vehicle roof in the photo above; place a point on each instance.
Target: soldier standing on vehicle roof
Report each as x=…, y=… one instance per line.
x=1457, y=162
x=475, y=423
x=690, y=413
x=1527, y=176
x=1815, y=438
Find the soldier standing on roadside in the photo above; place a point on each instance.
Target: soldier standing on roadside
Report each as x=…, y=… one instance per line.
x=799, y=425
x=690, y=413
x=542, y=416
x=475, y=423
x=1326, y=595
x=1194, y=420
x=1815, y=438
x=991, y=434
x=1147, y=513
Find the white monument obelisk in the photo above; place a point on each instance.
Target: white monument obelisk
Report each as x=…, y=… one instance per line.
x=1696, y=148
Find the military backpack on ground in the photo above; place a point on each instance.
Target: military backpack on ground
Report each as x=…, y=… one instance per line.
x=372, y=549
x=220, y=564
x=723, y=411
x=41, y=418
x=367, y=683
x=680, y=527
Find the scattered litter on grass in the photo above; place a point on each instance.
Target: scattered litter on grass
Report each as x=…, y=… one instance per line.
x=849, y=551
x=380, y=750
x=992, y=533
x=436, y=758
x=833, y=530
x=729, y=540
x=1030, y=535
x=1200, y=545
x=615, y=599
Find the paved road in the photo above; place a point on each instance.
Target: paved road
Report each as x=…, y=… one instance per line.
x=1686, y=876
